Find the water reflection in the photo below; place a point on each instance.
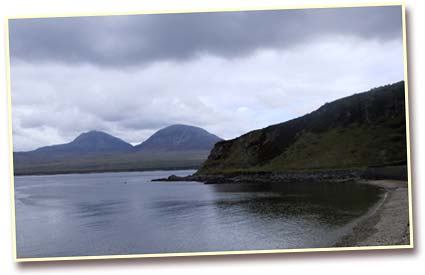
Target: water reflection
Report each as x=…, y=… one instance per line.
x=98, y=209
x=99, y=215
x=328, y=202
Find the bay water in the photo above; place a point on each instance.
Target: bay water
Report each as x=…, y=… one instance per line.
x=125, y=213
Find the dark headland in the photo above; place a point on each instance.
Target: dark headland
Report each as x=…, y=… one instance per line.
x=356, y=137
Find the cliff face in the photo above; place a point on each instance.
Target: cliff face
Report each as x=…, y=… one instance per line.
x=362, y=130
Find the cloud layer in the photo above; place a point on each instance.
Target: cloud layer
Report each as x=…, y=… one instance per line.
x=227, y=72
x=140, y=39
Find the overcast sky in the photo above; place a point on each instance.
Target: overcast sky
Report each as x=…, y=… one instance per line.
x=227, y=72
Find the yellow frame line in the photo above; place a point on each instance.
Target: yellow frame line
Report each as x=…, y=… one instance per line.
x=407, y=115
x=220, y=253
x=259, y=8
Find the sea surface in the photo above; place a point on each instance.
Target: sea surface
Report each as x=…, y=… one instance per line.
x=125, y=213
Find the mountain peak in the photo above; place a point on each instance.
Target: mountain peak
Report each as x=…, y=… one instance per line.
x=179, y=137
x=89, y=142
x=99, y=141
x=93, y=134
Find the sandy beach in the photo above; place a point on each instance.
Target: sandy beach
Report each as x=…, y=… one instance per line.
x=387, y=223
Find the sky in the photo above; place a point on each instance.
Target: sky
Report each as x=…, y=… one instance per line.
x=227, y=72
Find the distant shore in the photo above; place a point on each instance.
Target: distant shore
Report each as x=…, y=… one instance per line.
x=387, y=223
x=103, y=171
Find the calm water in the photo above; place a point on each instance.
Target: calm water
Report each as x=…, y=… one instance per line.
x=125, y=213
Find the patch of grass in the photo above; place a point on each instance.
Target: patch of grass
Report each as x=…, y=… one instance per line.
x=354, y=146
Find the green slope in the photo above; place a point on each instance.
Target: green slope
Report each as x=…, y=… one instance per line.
x=360, y=131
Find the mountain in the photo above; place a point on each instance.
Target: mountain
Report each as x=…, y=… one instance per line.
x=179, y=137
x=362, y=130
x=88, y=143
x=174, y=147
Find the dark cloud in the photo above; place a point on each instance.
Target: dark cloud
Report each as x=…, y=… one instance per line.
x=142, y=39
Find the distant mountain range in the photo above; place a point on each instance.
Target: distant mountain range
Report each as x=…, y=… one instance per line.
x=173, y=147
x=356, y=132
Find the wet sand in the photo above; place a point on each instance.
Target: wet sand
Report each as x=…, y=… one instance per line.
x=387, y=223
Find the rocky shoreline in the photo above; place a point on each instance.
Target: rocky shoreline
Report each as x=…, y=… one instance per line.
x=266, y=177
x=388, y=172
x=385, y=224
x=397, y=172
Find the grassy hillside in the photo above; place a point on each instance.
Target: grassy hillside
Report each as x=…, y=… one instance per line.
x=359, y=131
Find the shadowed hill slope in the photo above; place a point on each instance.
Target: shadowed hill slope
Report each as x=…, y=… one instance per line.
x=362, y=130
